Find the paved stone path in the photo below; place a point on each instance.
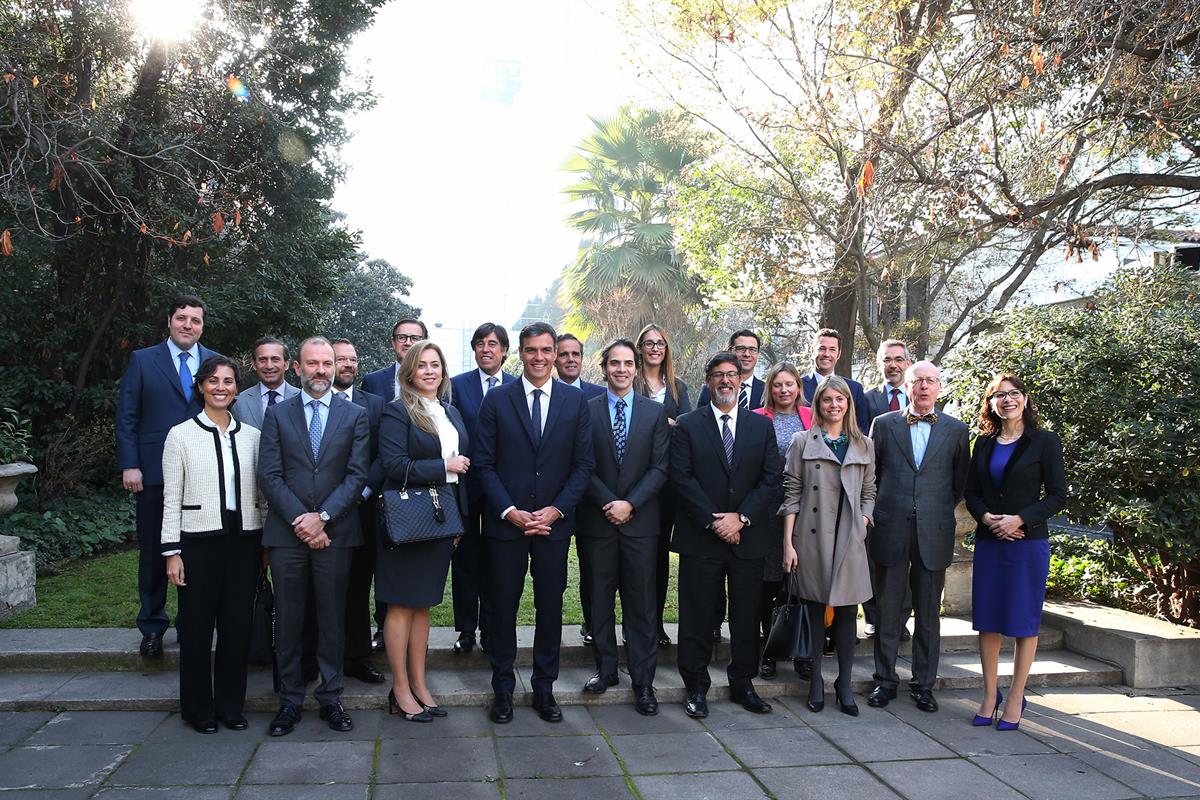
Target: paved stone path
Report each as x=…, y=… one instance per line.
x=1078, y=743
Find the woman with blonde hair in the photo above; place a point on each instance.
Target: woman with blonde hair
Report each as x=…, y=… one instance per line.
x=656, y=380
x=829, y=500
x=420, y=438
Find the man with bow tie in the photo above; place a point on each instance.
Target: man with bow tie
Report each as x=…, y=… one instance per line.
x=921, y=458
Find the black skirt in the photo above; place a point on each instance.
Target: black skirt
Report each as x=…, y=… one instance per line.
x=413, y=575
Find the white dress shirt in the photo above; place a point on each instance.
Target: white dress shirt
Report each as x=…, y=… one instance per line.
x=733, y=415
x=447, y=433
x=193, y=355
x=483, y=379
x=545, y=403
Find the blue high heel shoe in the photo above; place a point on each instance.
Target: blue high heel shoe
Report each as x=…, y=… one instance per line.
x=1002, y=725
x=980, y=722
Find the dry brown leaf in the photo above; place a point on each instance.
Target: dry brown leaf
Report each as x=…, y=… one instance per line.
x=218, y=222
x=6, y=247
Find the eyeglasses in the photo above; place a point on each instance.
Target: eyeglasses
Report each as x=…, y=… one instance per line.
x=1012, y=394
x=742, y=349
x=654, y=344
x=346, y=360
x=723, y=376
x=411, y=338
x=895, y=360
x=923, y=381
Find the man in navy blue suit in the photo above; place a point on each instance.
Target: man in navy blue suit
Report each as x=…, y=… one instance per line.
x=827, y=349
x=156, y=395
x=468, y=577
x=382, y=382
x=746, y=347
x=534, y=457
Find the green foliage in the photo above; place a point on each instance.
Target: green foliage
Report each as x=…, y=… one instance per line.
x=71, y=528
x=14, y=436
x=1096, y=571
x=368, y=302
x=1120, y=383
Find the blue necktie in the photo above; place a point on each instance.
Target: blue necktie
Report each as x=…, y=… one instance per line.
x=619, y=430
x=314, y=428
x=491, y=384
x=537, y=417
x=727, y=439
x=185, y=377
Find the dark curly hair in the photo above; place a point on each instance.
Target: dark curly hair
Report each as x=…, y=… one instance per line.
x=989, y=422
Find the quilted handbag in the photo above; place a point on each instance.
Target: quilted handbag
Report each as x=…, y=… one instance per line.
x=419, y=514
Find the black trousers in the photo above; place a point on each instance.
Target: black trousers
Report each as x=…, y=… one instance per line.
x=585, y=587
x=152, y=567
x=909, y=575
x=702, y=582
x=770, y=597
x=662, y=574
x=625, y=564
x=469, y=570
x=358, y=592
x=221, y=573
x=546, y=561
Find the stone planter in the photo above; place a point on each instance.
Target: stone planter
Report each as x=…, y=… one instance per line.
x=18, y=575
x=956, y=600
x=10, y=476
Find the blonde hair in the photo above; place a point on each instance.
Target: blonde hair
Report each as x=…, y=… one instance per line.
x=775, y=372
x=409, y=396
x=836, y=383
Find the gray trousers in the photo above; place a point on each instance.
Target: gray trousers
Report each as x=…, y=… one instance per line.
x=893, y=583
x=627, y=564
x=292, y=570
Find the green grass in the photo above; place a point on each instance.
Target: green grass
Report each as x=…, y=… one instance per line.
x=101, y=592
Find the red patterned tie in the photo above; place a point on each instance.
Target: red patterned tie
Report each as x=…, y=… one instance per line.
x=895, y=404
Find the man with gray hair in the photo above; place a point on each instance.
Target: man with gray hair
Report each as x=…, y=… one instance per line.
x=921, y=458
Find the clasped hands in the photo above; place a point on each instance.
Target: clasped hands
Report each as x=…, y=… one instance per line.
x=728, y=526
x=1005, y=526
x=311, y=530
x=534, y=523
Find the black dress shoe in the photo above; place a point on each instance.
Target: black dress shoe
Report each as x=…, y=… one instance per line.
x=586, y=633
x=337, y=717
x=465, y=644
x=502, y=708
x=365, y=673
x=203, y=725
x=645, y=703
x=696, y=705
x=803, y=668
x=285, y=721
x=880, y=695
x=237, y=723
x=547, y=708
x=749, y=700
x=663, y=639
x=914, y=689
x=151, y=646
x=598, y=684
x=378, y=645
x=767, y=668
x=926, y=701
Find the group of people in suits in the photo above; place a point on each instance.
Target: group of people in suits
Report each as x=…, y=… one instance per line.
x=799, y=484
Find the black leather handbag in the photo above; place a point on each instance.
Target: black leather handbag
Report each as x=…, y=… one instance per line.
x=262, y=624
x=420, y=514
x=790, y=637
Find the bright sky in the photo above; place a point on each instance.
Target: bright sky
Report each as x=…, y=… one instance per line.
x=454, y=177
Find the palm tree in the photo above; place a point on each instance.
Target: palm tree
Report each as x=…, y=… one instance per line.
x=627, y=272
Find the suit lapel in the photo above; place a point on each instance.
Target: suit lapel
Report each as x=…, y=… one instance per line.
x=337, y=416
x=713, y=425
x=163, y=358
x=937, y=435
x=551, y=414
x=600, y=420
x=296, y=413
x=253, y=400
x=1018, y=451
x=518, y=401
x=904, y=439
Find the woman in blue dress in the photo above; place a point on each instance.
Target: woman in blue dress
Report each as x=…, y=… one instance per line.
x=1016, y=482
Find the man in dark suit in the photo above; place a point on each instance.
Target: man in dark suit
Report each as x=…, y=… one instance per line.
x=893, y=359
x=313, y=463
x=568, y=364
x=534, y=457
x=382, y=382
x=469, y=567
x=921, y=459
x=827, y=349
x=745, y=346
x=270, y=360
x=725, y=469
x=156, y=395
x=619, y=524
x=357, y=661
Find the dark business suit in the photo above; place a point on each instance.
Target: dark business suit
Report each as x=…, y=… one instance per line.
x=623, y=556
x=912, y=542
x=381, y=383
x=149, y=404
x=1033, y=486
x=757, y=388
x=878, y=403
x=861, y=414
x=362, y=563
x=706, y=484
x=666, y=508
x=517, y=467
x=295, y=484
x=468, y=566
x=589, y=390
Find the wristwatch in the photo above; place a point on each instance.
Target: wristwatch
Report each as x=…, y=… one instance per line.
x=323, y=514
x=745, y=520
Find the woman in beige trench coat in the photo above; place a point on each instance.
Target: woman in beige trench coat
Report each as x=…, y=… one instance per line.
x=829, y=499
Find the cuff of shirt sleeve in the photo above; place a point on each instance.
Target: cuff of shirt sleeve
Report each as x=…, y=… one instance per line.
x=504, y=513
x=171, y=553
x=560, y=514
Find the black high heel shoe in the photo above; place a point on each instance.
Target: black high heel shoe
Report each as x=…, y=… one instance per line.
x=433, y=710
x=394, y=709
x=816, y=690
x=845, y=699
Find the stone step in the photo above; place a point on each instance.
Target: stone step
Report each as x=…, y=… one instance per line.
x=105, y=649
x=159, y=690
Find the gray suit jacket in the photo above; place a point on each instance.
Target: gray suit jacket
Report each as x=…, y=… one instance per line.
x=877, y=402
x=639, y=477
x=926, y=496
x=248, y=409
x=294, y=484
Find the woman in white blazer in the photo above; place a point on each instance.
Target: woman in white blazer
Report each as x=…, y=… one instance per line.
x=211, y=537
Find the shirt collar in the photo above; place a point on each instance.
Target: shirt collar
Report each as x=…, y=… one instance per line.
x=529, y=387
x=210, y=421
x=193, y=351
x=483, y=376
x=324, y=399
x=613, y=398
x=348, y=392
x=263, y=389
x=718, y=413
x=577, y=383
x=888, y=389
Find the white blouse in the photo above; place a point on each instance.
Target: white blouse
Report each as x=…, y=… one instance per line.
x=447, y=433
x=231, y=492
